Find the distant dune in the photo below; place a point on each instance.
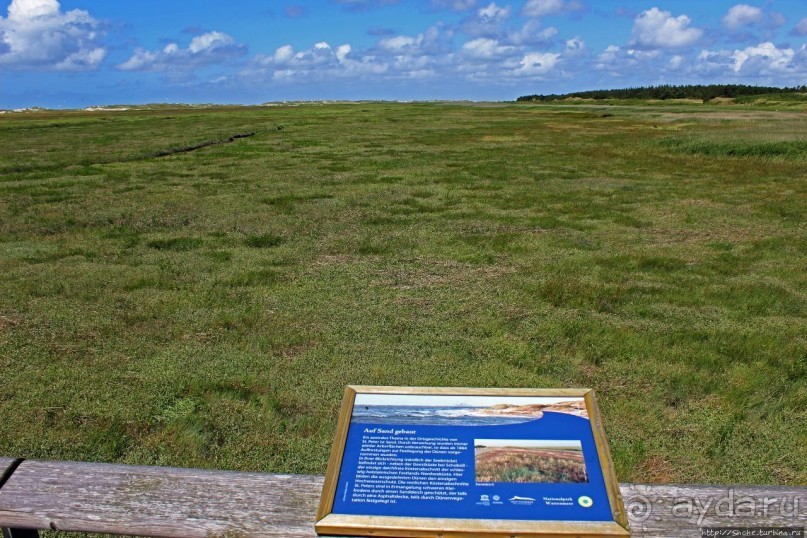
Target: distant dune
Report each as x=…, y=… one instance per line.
x=576, y=408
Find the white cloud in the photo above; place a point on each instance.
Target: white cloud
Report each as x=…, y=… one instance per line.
x=320, y=62
x=428, y=42
x=205, y=49
x=21, y=10
x=38, y=35
x=510, y=65
x=342, y=51
x=365, y=4
x=487, y=21
x=284, y=54
x=393, y=58
x=532, y=34
x=741, y=15
x=609, y=55
x=620, y=62
x=414, y=57
x=141, y=59
x=484, y=48
x=575, y=46
x=659, y=29
x=801, y=28
x=492, y=11
x=400, y=42
x=764, y=58
x=537, y=64
x=541, y=8
x=210, y=41
x=713, y=64
x=456, y=5
x=764, y=62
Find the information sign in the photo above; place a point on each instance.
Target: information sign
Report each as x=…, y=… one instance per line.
x=470, y=462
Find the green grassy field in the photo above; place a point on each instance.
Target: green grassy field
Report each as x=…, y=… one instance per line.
x=206, y=308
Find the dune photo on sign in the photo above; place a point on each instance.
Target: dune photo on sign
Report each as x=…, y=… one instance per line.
x=529, y=461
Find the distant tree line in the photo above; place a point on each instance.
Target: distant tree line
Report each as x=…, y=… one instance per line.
x=690, y=91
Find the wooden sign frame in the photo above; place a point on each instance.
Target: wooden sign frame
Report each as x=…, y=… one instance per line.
x=330, y=523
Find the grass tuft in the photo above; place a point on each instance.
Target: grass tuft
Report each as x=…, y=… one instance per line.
x=263, y=241
x=792, y=150
x=178, y=244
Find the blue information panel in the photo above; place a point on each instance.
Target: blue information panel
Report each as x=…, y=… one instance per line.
x=472, y=457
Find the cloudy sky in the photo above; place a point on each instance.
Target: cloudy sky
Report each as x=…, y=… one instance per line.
x=77, y=53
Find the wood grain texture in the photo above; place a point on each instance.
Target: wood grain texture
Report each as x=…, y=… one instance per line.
x=337, y=453
x=158, y=501
x=409, y=527
x=169, y=502
x=606, y=463
x=464, y=391
x=682, y=510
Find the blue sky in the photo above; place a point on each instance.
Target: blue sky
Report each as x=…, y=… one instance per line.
x=78, y=53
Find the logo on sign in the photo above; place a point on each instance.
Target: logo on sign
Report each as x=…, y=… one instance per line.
x=522, y=501
x=585, y=501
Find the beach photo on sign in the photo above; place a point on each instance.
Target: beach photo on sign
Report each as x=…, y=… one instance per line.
x=518, y=460
x=460, y=410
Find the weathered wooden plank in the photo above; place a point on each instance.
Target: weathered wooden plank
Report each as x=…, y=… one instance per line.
x=6, y=468
x=682, y=510
x=158, y=501
x=170, y=502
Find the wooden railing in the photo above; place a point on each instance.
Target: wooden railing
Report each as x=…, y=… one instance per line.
x=189, y=503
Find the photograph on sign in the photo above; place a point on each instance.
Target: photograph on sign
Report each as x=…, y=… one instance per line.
x=474, y=460
x=522, y=461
